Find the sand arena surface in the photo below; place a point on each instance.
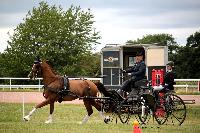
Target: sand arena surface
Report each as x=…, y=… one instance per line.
x=29, y=97
x=37, y=97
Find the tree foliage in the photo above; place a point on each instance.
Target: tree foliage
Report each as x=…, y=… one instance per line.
x=65, y=38
x=193, y=40
x=161, y=40
x=188, y=58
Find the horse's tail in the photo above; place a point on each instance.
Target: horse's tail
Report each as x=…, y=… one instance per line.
x=101, y=88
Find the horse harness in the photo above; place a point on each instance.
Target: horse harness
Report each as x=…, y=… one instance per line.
x=63, y=91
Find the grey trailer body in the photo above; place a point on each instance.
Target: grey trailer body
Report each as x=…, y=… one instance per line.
x=115, y=57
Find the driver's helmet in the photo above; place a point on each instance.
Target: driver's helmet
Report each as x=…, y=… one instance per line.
x=170, y=63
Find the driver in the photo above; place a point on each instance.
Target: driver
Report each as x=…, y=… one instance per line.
x=138, y=72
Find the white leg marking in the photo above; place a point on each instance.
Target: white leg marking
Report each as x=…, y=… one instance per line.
x=105, y=118
x=102, y=115
x=50, y=120
x=27, y=118
x=85, y=119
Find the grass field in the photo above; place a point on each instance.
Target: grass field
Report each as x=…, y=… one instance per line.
x=67, y=118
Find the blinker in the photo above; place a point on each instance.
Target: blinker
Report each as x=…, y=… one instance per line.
x=36, y=62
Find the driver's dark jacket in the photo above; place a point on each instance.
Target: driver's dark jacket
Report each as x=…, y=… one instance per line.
x=137, y=71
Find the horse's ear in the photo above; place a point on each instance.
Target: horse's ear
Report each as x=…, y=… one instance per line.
x=38, y=60
x=45, y=60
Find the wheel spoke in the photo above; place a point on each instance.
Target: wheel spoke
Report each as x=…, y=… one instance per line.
x=176, y=107
x=176, y=118
x=123, y=114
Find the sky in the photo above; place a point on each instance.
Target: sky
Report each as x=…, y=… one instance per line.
x=116, y=20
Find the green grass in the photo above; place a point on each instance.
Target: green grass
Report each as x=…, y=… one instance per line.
x=67, y=118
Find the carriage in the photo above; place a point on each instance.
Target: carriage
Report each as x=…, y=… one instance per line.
x=151, y=100
x=159, y=103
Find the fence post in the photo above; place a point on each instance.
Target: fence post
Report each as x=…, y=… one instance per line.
x=39, y=85
x=10, y=84
x=186, y=88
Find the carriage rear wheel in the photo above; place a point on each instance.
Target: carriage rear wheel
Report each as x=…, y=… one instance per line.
x=176, y=109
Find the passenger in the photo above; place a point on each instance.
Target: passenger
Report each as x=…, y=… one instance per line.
x=138, y=72
x=169, y=76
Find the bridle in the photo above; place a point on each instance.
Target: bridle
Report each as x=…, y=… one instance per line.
x=35, y=70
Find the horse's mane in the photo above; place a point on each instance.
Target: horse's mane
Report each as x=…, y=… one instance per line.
x=102, y=88
x=49, y=67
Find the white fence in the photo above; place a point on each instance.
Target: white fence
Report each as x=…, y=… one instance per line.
x=38, y=85
x=187, y=84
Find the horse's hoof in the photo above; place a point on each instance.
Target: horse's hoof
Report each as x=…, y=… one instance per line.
x=48, y=121
x=80, y=122
x=26, y=118
x=107, y=120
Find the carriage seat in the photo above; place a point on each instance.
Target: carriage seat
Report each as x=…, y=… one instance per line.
x=142, y=82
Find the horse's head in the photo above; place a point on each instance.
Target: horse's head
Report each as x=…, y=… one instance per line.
x=35, y=69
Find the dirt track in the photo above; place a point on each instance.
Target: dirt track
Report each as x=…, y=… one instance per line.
x=36, y=97
x=29, y=97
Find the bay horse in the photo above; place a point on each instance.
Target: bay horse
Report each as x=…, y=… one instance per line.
x=53, y=83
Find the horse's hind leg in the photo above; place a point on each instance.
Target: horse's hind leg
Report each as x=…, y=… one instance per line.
x=50, y=119
x=88, y=106
x=27, y=117
x=98, y=107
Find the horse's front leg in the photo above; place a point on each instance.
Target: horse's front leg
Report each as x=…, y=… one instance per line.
x=50, y=119
x=27, y=117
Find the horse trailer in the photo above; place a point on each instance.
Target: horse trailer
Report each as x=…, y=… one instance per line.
x=116, y=57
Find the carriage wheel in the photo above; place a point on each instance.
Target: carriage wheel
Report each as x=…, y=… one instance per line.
x=108, y=107
x=160, y=112
x=123, y=114
x=111, y=118
x=144, y=114
x=176, y=108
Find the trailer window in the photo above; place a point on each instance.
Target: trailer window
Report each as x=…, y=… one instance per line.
x=131, y=61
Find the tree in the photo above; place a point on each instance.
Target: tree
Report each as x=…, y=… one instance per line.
x=65, y=38
x=193, y=40
x=159, y=39
x=188, y=58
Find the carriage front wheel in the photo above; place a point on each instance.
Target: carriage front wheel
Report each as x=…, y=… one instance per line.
x=160, y=110
x=123, y=113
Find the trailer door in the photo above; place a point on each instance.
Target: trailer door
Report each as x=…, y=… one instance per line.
x=156, y=58
x=111, y=69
